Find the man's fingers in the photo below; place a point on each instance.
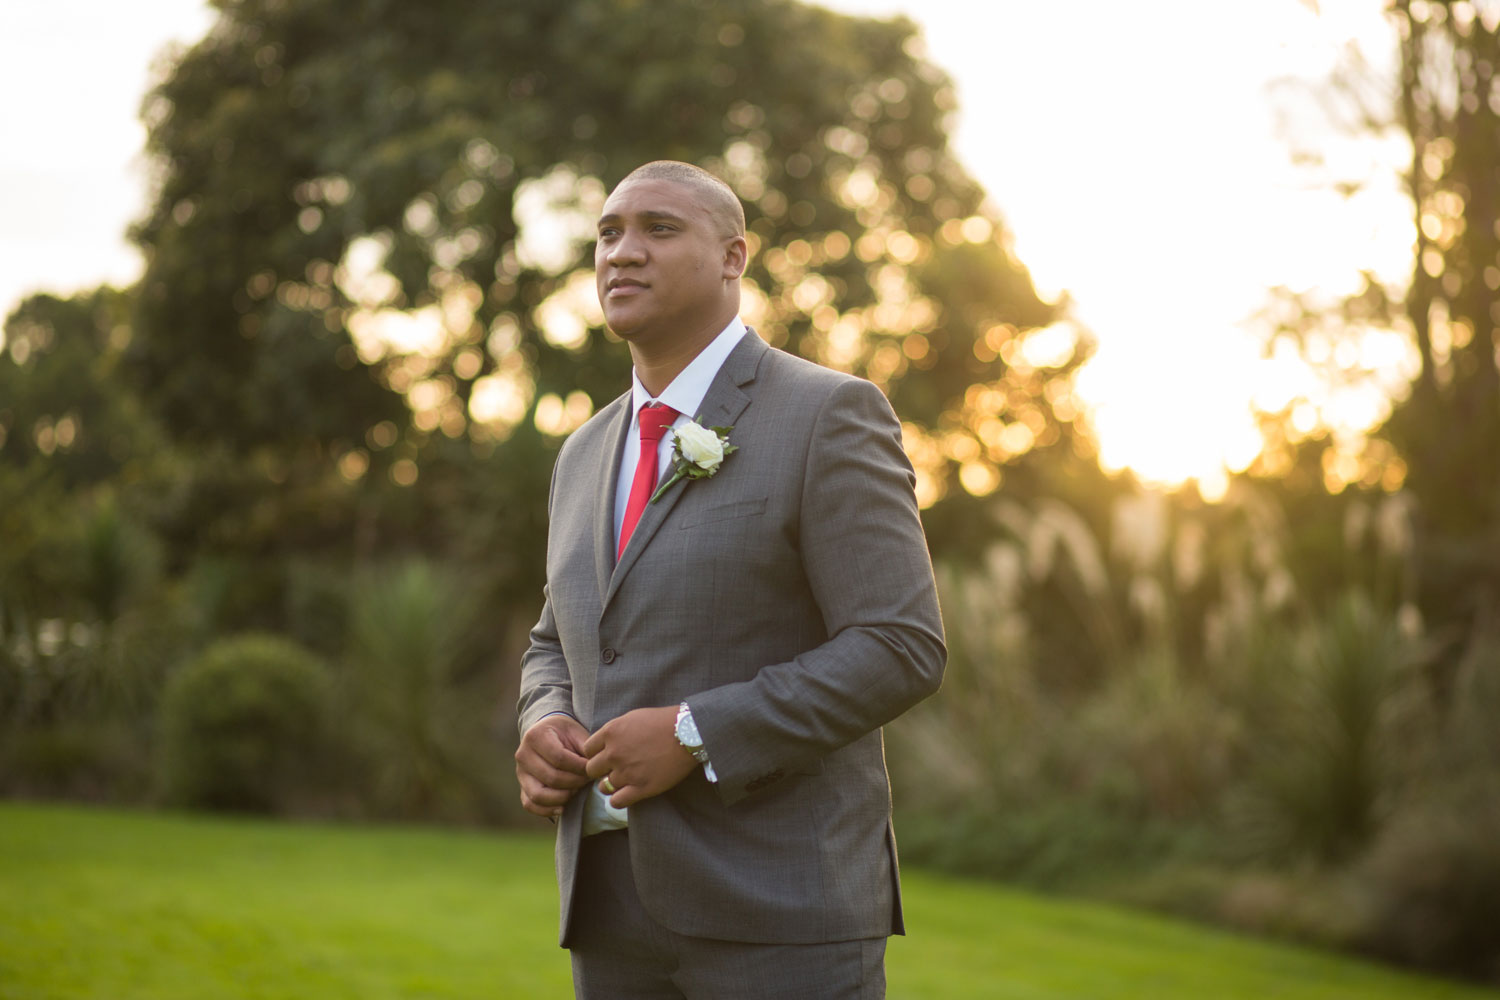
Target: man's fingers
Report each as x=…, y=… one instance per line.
x=538, y=809
x=596, y=742
x=551, y=747
x=546, y=812
x=627, y=795
x=546, y=797
x=569, y=730
x=639, y=753
x=562, y=759
x=530, y=761
x=550, y=777
x=541, y=792
x=549, y=767
x=599, y=766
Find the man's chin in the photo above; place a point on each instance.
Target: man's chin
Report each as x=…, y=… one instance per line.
x=625, y=326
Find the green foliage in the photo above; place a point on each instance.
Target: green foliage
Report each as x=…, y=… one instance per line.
x=1222, y=728
x=1432, y=888
x=78, y=699
x=91, y=760
x=1431, y=881
x=71, y=432
x=1470, y=750
x=1009, y=774
x=1066, y=841
x=316, y=179
x=1173, y=743
x=121, y=560
x=418, y=712
x=244, y=726
x=1348, y=709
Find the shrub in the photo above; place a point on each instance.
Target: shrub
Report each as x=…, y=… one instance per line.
x=79, y=722
x=1352, y=714
x=96, y=761
x=1172, y=743
x=419, y=710
x=243, y=726
x=1432, y=880
x=1433, y=885
x=1058, y=842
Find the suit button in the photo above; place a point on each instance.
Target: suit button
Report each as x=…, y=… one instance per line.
x=608, y=655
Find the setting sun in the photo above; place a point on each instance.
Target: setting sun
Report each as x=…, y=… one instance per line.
x=1157, y=190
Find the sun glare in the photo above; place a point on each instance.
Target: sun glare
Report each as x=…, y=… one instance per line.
x=1166, y=207
x=1169, y=419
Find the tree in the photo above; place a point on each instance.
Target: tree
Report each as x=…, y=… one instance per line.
x=1442, y=436
x=1449, y=429
x=363, y=203
x=71, y=431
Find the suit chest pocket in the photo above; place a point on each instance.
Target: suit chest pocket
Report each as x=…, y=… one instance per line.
x=731, y=558
x=723, y=512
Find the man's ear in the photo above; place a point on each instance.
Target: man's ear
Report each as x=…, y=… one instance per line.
x=736, y=256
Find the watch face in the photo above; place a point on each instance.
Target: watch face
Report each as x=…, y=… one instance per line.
x=687, y=732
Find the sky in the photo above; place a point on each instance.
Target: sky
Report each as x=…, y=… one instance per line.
x=71, y=177
x=1156, y=185
x=1159, y=191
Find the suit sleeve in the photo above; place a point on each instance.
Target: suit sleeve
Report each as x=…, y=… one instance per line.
x=866, y=560
x=546, y=683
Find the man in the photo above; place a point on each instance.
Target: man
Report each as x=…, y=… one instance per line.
x=702, y=699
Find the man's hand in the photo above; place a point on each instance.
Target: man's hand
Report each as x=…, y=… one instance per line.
x=550, y=764
x=640, y=754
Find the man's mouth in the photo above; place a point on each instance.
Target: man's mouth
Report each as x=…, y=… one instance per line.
x=625, y=285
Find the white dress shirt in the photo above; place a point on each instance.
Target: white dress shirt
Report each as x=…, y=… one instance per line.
x=685, y=395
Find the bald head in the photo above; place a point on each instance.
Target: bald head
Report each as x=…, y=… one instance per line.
x=668, y=263
x=715, y=196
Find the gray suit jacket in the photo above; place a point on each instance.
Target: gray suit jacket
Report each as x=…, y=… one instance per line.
x=790, y=601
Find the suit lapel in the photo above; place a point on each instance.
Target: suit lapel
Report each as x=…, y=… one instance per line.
x=722, y=406
x=604, y=504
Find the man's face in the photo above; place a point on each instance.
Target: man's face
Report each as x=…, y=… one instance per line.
x=661, y=262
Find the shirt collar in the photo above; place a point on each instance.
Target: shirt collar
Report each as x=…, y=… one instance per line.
x=685, y=392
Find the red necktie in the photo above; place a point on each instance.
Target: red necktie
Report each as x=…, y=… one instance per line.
x=654, y=420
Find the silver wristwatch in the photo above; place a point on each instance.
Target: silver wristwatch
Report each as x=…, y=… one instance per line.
x=687, y=735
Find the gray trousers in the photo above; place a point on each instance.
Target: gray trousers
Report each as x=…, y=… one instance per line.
x=621, y=953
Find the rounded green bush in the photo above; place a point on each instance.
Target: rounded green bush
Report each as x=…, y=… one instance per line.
x=243, y=725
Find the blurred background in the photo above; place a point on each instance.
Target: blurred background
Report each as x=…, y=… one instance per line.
x=1191, y=313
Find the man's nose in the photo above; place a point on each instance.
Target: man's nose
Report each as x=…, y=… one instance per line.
x=630, y=248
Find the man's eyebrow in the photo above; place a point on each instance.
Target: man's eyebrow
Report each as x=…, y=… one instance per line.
x=650, y=214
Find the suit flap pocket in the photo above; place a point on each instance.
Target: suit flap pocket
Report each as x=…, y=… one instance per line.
x=724, y=512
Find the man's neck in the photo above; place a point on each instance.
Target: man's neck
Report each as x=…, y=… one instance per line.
x=657, y=365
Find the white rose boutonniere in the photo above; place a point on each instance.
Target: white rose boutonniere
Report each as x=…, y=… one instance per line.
x=697, y=453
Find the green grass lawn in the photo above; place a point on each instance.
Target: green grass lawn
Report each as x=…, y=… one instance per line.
x=155, y=906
